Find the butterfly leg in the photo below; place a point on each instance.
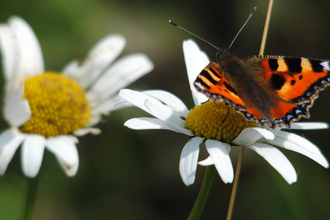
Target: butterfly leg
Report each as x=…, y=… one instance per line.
x=226, y=115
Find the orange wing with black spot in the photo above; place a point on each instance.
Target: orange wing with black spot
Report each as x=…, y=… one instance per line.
x=212, y=82
x=295, y=80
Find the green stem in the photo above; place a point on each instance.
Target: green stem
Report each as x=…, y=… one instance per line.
x=204, y=192
x=30, y=197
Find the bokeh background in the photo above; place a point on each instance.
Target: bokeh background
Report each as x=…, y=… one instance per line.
x=126, y=174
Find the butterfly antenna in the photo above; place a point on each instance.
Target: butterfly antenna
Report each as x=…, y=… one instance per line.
x=174, y=24
x=252, y=12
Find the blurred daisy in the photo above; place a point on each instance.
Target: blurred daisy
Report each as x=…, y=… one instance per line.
x=220, y=128
x=44, y=109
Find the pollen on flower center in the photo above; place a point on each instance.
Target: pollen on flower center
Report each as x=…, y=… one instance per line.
x=213, y=121
x=58, y=105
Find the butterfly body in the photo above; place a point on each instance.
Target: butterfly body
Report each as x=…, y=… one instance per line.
x=274, y=90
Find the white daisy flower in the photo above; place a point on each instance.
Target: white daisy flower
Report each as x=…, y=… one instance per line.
x=44, y=109
x=219, y=128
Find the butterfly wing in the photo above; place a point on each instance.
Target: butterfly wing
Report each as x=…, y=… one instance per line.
x=212, y=83
x=295, y=80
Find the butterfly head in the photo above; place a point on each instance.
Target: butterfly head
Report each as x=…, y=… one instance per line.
x=221, y=54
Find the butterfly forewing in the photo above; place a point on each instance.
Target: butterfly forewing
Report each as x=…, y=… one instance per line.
x=295, y=80
x=212, y=82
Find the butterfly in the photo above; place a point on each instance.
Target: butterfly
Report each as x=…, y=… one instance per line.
x=273, y=90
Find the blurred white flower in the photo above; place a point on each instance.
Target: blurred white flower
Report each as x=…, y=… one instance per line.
x=44, y=109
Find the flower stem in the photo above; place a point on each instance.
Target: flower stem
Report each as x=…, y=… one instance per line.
x=240, y=158
x=31, y=197
x=200, y=202
x=264, y=35
x=233, y=192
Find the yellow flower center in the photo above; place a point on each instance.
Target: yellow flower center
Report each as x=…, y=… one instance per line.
x=213, y=121
x=58, y=105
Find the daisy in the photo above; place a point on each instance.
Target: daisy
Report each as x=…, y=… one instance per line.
x=46, y=109
x=220, y=128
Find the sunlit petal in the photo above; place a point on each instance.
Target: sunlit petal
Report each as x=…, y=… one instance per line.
x=99, y=58
x=65, y=152
x=170, y=100
x=219, y=152
x=276, y=159
x=196, y=60
x=122, y=73
x=298, y=145
x=9, y=142
x=251, y=135
x=32, y=151
x=189, y=159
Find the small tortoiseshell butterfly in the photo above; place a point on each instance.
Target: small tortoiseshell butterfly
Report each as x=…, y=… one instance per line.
x=274, y=90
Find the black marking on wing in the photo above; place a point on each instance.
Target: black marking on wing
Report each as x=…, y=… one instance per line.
x=206, y=74
x=277, y=81
x=230, y=88
x=273, y=64
x=294, y=64
x=316, y=65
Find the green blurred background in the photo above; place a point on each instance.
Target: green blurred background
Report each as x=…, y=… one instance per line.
x=126, y=174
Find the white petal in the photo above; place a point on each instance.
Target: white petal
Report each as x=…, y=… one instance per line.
x=122, y=73
x=73, y=70
x=163, y=112
x=276, y=159
x=152, y=123
x=32, y=152
x=66, y=153
x=136, y=98
x=300, y=145
x=9, y=52
x=69, y=170
x=21, y=114
x=170, y=100
x=147, y=123
x=155, y=108
x=196, y=60
x=94, y=120
x=71, y=138
x=309, y=125
x=113, y=42
x=9, y=142
x=99, y=58
x=30, y=55
x=251, y=135
x=219, y=152
x=168, y=115
x=112, y=104
x=207, y=162
x=13, y=101
x=84, y=131
x=189, y=159
x=303, y=142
